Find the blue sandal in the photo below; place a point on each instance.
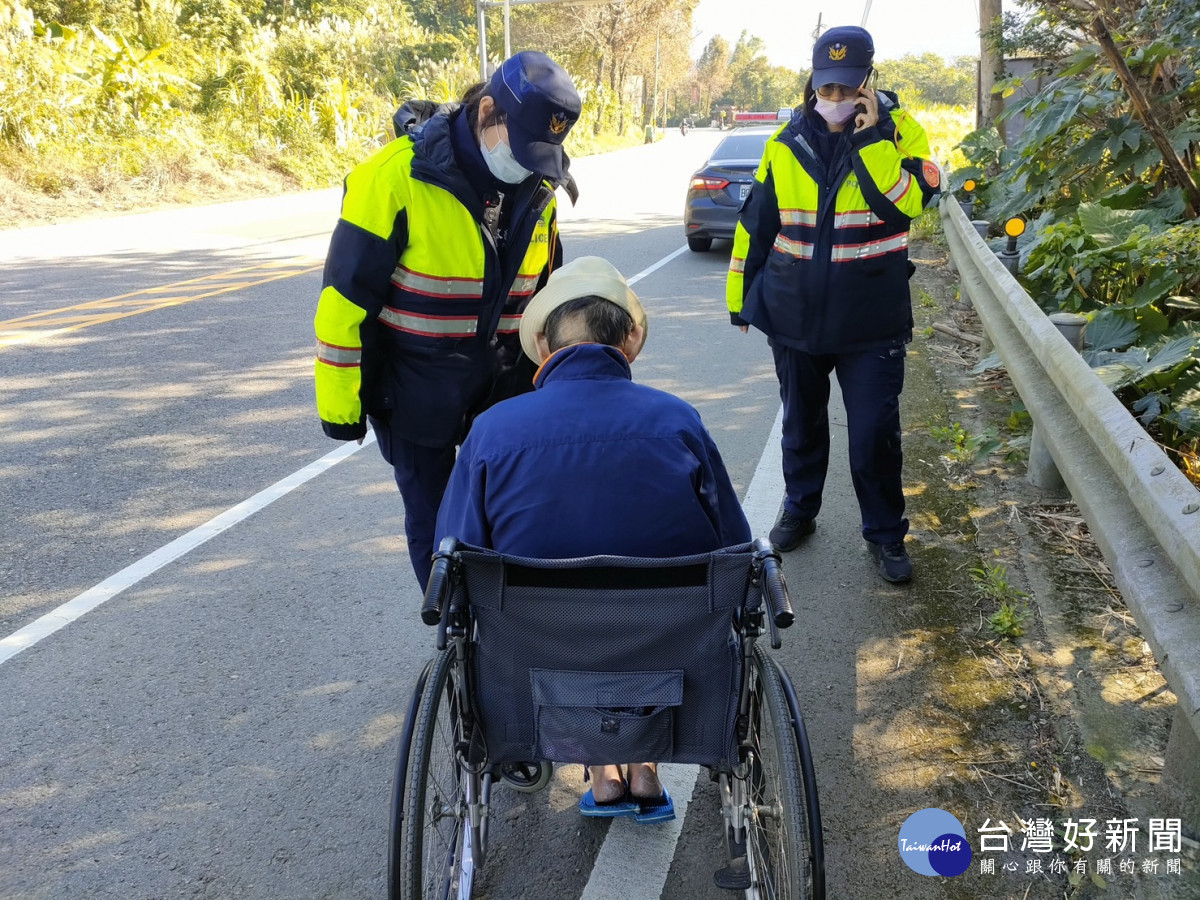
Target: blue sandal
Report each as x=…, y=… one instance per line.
x=608, y=809
x=655, y=809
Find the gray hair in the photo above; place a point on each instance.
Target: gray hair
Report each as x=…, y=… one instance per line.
x=588, y=320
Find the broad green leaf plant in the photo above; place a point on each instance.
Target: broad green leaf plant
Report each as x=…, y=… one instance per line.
x=1112, y=235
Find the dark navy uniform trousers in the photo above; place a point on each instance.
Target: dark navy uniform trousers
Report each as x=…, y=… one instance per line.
x=871, y=382
x=421, y=474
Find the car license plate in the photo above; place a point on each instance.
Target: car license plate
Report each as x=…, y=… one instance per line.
x=743, y=190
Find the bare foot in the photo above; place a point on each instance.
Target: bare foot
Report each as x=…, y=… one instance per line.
x=643, y=781
x=607, y=783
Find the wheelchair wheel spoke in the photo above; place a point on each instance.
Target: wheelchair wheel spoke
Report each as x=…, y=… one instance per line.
x=435, y=805
x=776, y=836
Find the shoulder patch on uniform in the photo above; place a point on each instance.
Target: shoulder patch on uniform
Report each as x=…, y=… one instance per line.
x=929, y=171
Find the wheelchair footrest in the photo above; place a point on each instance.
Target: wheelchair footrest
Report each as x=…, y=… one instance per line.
x=733, y=877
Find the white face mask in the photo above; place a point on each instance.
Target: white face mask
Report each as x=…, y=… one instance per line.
x=836, y=112
x=501, y=162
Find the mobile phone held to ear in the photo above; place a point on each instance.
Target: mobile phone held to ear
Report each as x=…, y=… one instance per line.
x=861, y=108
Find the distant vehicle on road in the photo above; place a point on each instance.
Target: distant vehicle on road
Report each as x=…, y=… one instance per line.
x=762, y=118
x=718, y=188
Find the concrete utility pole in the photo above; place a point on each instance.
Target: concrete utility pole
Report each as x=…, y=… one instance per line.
x=991, y=68
x=654, y=102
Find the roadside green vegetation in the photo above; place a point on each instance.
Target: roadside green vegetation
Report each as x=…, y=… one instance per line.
x=95, y=96
x=1106, y=170
x=965, y=448
x=168, y=91
x=990, y=583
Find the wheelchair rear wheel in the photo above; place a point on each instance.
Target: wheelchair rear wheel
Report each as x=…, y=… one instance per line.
x=396, y=831
x=438, y=846
x=780, y=852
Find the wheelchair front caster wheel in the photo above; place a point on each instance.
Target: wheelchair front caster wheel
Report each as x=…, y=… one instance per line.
x=526, y=777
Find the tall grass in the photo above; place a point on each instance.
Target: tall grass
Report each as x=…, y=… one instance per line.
x=945, y=126
x=177, y=101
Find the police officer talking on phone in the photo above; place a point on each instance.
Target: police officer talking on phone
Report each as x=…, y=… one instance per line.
x=820, y=265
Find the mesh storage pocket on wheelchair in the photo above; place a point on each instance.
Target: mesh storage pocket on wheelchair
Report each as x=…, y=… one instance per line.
x=604, y=717
x=649, y=634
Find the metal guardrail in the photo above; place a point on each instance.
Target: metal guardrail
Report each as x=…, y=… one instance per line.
x=1143, y=513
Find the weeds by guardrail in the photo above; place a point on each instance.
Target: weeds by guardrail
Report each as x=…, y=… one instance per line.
x=1142, y=511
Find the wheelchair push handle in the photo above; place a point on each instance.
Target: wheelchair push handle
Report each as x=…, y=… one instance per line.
x=776, y=592
x=441, y=580
x=774, y=588
x=437, y=592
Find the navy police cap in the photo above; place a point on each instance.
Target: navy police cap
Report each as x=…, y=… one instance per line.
x=842, y=55
x=540, y=104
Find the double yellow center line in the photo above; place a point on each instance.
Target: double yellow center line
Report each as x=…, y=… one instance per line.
x=48, y=324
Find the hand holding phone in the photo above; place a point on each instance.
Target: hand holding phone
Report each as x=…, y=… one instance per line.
x=866, y=111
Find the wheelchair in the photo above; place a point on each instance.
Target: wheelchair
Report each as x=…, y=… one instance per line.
x=523, y=680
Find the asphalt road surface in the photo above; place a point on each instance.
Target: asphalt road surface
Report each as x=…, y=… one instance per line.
x=205, y=659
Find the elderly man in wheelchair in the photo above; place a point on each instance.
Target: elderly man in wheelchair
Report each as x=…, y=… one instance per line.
x=598, y=601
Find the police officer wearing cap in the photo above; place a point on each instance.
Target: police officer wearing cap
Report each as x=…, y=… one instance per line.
x=445, y=234
x=820, y=265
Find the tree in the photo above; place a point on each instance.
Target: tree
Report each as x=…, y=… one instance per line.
x=444, y=16
x=746, y=72
x=1144, y=45
x=614, y=44
x=756, y=84
x=712, y=71
x=991, y=66
x=926, y=78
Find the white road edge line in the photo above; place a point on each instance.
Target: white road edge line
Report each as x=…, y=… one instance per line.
x=147, y=565
x=634, y=860
x=64, y=615
x=658, y=265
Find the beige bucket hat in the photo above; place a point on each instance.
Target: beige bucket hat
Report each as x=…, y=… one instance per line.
x=584, y=277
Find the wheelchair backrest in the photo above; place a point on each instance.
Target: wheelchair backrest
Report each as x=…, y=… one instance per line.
x=607, y=659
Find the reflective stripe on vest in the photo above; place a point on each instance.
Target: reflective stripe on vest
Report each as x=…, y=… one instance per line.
x=798, y=249
x=524, y=285
x=900, y=188
x=436, y=286
x=342, y=357
x=438, y=326
x=429, y=326
x=861, y=219
x=848, y=252
x=798, y=217
x=737, y=265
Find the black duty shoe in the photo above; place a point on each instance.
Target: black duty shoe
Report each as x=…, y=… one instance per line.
x=790, y=529
x=894, y=564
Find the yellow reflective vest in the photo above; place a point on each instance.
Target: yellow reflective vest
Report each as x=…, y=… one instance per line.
x=419, y=310
x=820, y=251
